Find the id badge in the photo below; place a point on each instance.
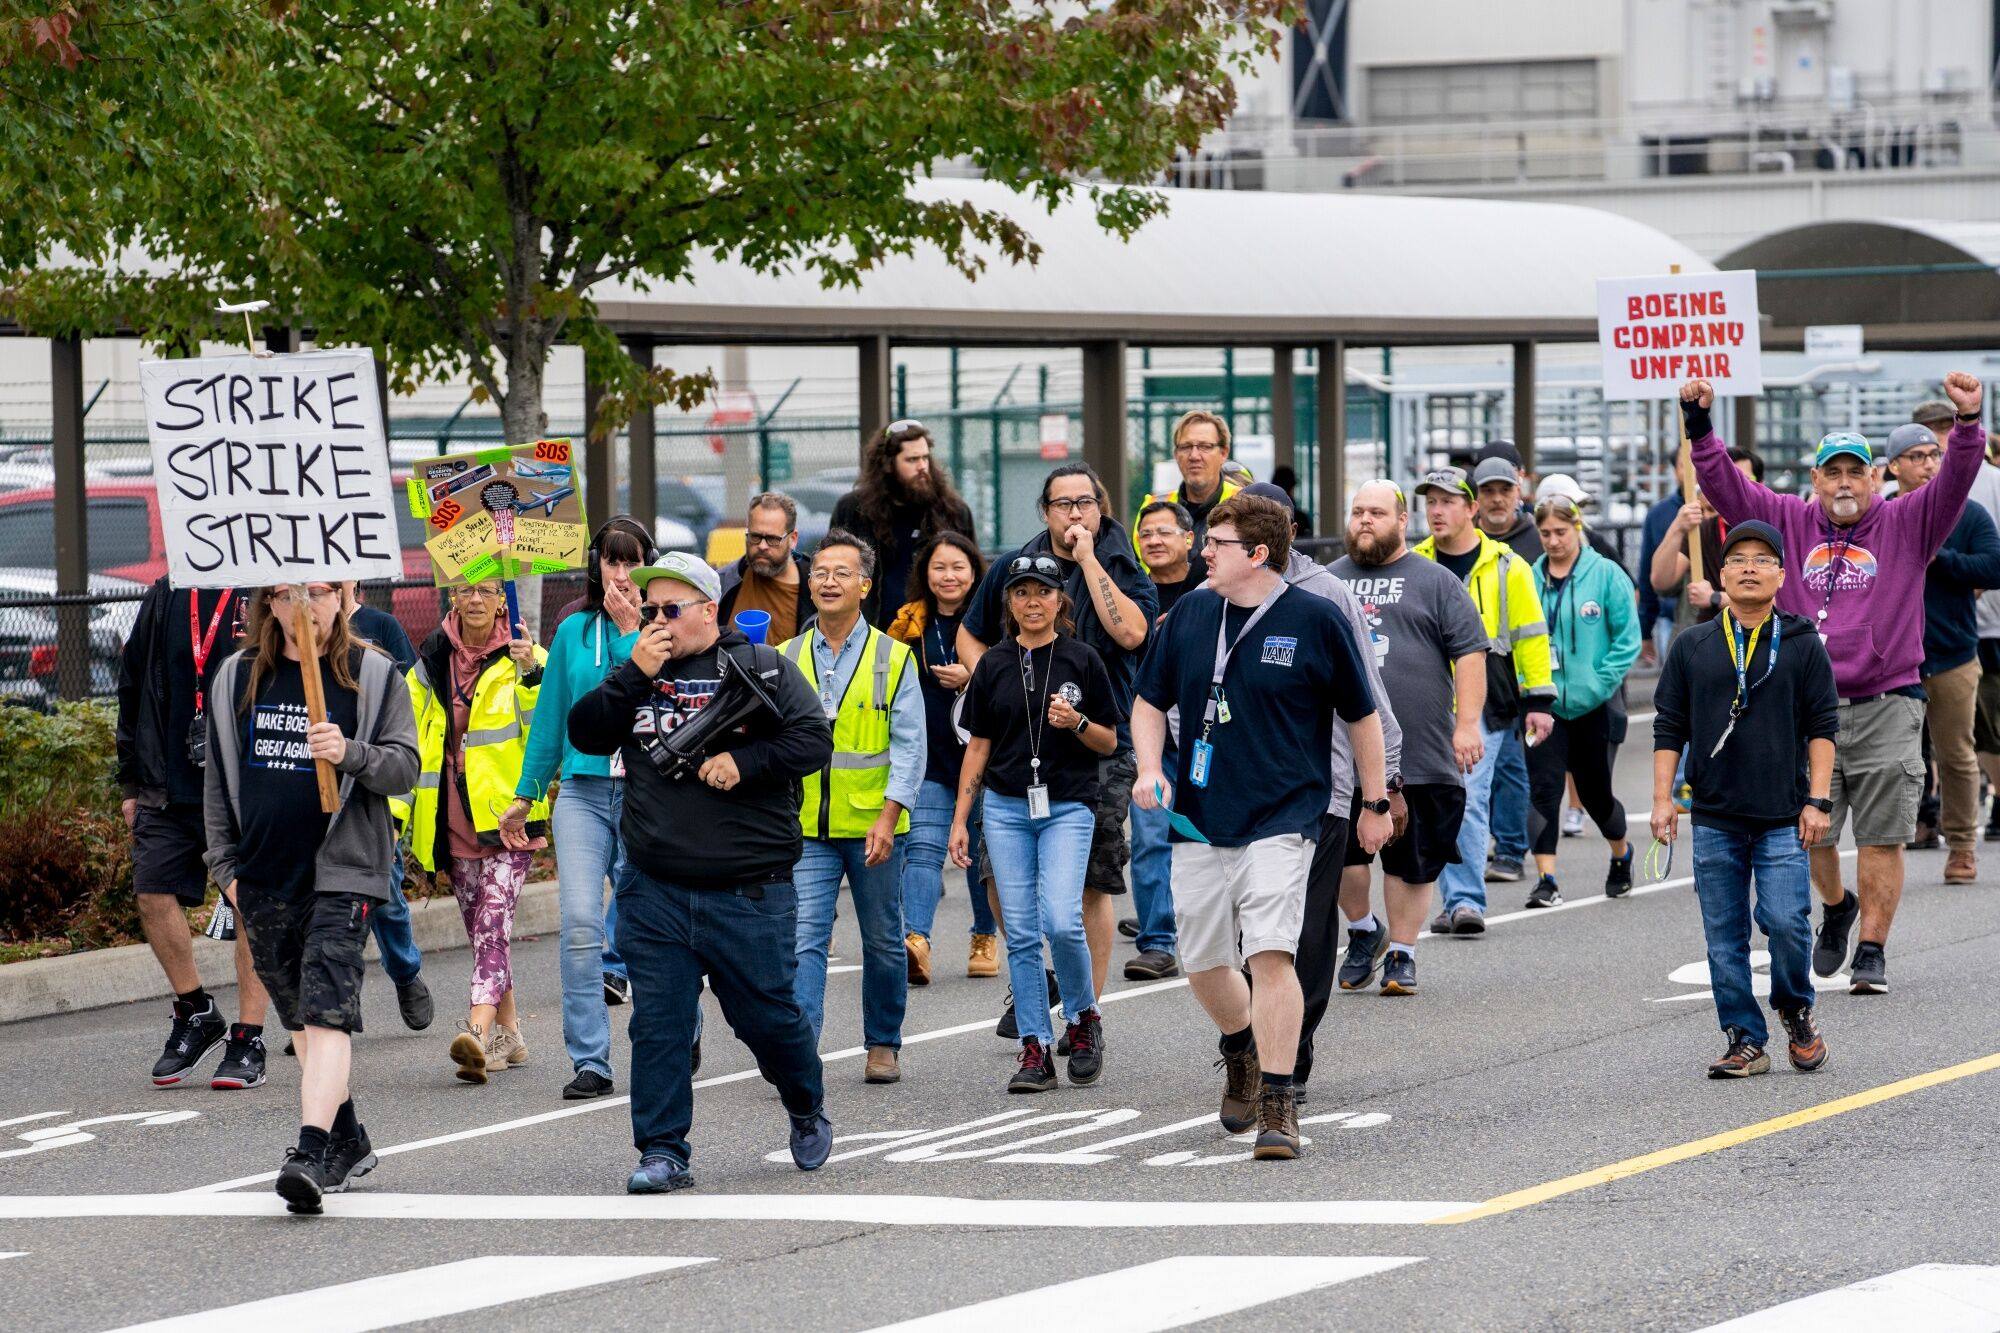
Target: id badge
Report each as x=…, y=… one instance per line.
x=1198, y=764
x=1555, y=656
x=618, y=763
x=1038, y=801
x=1222, y=711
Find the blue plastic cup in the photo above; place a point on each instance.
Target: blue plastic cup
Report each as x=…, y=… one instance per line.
x=755, y=625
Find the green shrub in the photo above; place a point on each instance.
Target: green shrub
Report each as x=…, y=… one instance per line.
x=65, y=856
x=59, y=761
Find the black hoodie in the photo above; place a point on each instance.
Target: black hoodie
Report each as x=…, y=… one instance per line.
x=682, y=830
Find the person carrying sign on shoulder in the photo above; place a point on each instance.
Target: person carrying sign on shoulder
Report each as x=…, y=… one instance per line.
x=474, y=688
x=304, y=880
x=1861, y=564
x=1750, y=697
x=1259, y=671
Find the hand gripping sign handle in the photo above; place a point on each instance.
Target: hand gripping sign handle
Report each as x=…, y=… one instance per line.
x=307, y=635
x=1684, y=465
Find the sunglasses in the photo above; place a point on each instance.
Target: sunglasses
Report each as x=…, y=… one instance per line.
x=651, y=611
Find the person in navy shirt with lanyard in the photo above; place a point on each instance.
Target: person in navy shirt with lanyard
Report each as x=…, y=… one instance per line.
x=1259, y=673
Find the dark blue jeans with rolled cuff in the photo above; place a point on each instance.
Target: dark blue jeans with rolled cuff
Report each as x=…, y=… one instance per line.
x=1725, y=863
x=401, y=959
x=744, y=941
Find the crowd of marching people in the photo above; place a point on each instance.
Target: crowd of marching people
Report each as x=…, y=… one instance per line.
x=1186, y=711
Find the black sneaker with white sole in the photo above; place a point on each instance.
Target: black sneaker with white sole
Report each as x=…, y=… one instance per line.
x=1545, y=893
x=1085, y=1040
x=617, y=989
x=587, y=1084
x=1618, y=880
x=1364, y=954
x=1037, y=1071
x=1869, y=974
x=347, y=1160
x=1830, y=949
x=193, y=1036
x=302, y=1181
x=242, y=1061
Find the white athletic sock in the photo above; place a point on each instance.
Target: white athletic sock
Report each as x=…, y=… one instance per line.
x=1402, y=949
x=1364, y=924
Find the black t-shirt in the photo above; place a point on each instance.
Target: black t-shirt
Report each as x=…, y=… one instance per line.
x=943, y=751
x=282, y=825
x=1298, y=667
x=183, y=778
x=997, y=702
x=1199, y=512
x=1459, y=565
x=1197, y=574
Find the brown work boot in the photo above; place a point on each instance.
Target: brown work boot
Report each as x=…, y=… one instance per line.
x=1961, y=867
x=983, y=959
x=882, y=1066
x=1277, y=1125
x=919, y=950
x=1242, y=1080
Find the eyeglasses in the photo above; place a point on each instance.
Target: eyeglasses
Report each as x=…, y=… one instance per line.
x=840, y=575
x=651, y=611
x=320, y=596
x=475, y=593
x=766, y=538
x=1751, y=562
x=1248, y=547
x=1076, y=506
x=1920, y=455
x=1198, y=447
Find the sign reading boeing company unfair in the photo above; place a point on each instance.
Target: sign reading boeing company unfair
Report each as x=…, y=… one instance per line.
x=271, y=469
x=1653, y=333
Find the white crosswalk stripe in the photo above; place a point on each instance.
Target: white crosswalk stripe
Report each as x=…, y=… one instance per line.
x=1933, y=1298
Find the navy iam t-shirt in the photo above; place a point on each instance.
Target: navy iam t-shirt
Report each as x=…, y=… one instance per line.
x=1289, y=677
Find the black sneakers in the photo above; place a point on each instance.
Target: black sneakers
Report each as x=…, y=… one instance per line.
x=1007, y=1027
x=413, y=998
x=811, y=1141
x=1038, y=1069
x=1545, y=893
x=1277, y=1126
x=1364, y=954
x=617, y=990
x=347, y=1160
x=192, y=1036
x=242, y=1061
x=1618, y=879
x=587, y=1084
x=1399, y=974
x=1870, y=973
x=1085, y=1039
x=1830, y=950
x=302, y=1181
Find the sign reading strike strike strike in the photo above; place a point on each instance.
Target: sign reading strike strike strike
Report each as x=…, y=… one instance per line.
x=1656, y=332
x=271, y=469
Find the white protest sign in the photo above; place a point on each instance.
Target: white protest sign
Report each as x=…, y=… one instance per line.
x=271, y=469
x=1653, y=333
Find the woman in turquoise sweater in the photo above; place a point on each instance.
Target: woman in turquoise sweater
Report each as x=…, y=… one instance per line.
x=1592, y=613
x=588, y=645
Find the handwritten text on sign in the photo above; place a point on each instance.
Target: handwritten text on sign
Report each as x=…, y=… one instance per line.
x=271, y=469
x=1656, y=332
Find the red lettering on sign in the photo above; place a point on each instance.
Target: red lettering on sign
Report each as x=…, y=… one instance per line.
x=446, y=514
x=552, y=451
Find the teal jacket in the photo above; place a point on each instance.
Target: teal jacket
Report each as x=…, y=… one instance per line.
x=586, y=648
x=1593, y=631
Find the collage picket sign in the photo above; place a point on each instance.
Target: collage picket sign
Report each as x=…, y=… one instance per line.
x=502, y=512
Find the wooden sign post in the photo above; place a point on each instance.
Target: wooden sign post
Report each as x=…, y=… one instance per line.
x=306, y=635
x=1684, y=463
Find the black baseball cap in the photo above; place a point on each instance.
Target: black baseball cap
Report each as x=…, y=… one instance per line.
x=1040, y=569
x=1264, y=490
x=1755, y=530
x=1498, y=449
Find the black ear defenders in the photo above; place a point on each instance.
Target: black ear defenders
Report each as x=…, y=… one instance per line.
x=628, y=524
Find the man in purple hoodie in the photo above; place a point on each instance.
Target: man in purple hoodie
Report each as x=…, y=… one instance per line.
x=1861, y=564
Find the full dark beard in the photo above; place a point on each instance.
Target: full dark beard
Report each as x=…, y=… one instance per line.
x=1369, y=550
x=921, y=491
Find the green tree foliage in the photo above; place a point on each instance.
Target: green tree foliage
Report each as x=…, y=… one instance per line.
x=451, y=179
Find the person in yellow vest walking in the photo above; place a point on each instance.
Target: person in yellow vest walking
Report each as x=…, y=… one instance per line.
x=1201, y=452
x=856, y=809
x=474, y=689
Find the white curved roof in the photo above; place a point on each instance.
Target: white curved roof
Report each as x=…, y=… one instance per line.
x=1218, y=266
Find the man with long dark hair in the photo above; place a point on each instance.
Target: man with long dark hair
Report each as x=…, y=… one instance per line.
x=899, y=502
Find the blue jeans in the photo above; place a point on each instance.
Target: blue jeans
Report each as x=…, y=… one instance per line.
x=1152, y=880
x=588, y=851
x=1724, y=864
x=878, y=909
x=1510, y=798
x=923, y=862
x=400, y=959
x=1465, y=883
x=1038, y=868
x=742, y=940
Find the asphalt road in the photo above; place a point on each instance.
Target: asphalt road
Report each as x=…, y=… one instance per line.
x=1558, y=1044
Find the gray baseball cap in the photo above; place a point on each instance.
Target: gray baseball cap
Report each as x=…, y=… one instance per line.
x=1906, y=437
x=1494, y=469
x=682, y=568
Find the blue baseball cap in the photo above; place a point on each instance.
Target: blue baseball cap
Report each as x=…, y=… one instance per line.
x=1840, y=442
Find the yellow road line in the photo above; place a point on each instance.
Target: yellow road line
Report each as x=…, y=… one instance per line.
x=1633, y=1166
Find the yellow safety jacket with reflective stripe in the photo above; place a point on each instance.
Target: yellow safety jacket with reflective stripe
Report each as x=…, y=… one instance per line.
x=1229, y=488
x=844, y=799
x=495, y=741
x=1502, y=585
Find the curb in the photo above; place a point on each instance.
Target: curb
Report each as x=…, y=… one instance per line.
x=40, y=987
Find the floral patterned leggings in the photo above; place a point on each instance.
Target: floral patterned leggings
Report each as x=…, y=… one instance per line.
x=487, y=888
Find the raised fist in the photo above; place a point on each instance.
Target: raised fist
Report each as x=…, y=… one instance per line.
x=1964, y=390
x=1699, y=392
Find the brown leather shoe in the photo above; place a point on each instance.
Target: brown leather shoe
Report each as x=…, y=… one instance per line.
x=1243, y=1081
x=1961, y=867
x=983, y=959
x=882, y=1066
x=1277, y=1126
x=919, y=951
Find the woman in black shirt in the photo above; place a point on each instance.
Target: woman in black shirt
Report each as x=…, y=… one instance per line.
x=1040, y=712
x=948, y=568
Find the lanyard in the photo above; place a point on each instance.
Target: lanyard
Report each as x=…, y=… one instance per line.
x=203, y=644
x=1037, y=718
x=1836, y=556
x=945, y=656
x=1225, y=648
x=1739, y=658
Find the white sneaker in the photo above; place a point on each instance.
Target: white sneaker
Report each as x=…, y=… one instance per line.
x=1572, y=821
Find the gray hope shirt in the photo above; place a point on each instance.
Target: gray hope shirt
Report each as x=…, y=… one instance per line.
x=1420, y=620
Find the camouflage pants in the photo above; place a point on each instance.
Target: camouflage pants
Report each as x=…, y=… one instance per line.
x=1109, y=848
x=306, y=949
x=487, y=888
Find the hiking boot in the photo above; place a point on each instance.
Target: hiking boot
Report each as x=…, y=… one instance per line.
x=505, y=1049
x=1961, y=867
x=1085, y=1038
x=1830, y=950
x=1399, y=973
x=347, y=1160
x=242, y=1061
x=1572, y=822
x=192, y=1037
x=1503, y=870
x=1364, y=954
x=1618, y=879
x=1870, y=973
x=468, y=1052
x=1467, y=920
x=1545, y=893
x=617, y=989
x=1741, y=1060
x=413, y=998
x=1441, y=923
x=1037, y=1072
x=1152, y=965
x=1277, y=1125
x=982, y=959
x=1926, y=839
x=587, y=1084
x=917, y=950
x=302, y=1181
x=1242, y=1080
x=1806, y=1047
x=659, y=1173
x=812, y=1140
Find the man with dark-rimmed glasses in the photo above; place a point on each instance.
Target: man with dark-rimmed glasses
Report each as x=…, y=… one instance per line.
x=771, y=576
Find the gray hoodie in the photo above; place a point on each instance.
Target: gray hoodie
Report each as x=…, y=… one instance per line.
x=1307, y=574
x=360, y=839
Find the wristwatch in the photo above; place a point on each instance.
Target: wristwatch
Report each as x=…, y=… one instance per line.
x=1821, y=804
x=1380, y=807
x=1081, y=723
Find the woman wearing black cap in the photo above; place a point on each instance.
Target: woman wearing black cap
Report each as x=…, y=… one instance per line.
x=1040, y=713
